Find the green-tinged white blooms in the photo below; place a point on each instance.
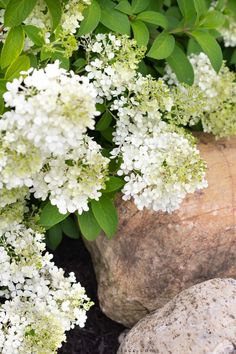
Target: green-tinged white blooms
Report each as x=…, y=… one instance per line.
x=228, y=31
x=44, y=141
x=12, y=213
x=160, y=168
x=10, y=196
x=159, y=163
x=112, y=63
x=64, y=37
x=213, y=97
x=38, y=303
x=72, y=180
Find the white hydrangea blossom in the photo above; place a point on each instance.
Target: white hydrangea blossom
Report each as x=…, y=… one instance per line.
x=74, y=179
x=44, y=136
x=160, y=169
x=113, y=64
x=72, y=15
x=228, y=32
x=159, y=165
x=215, y=97
x=141, y=137
x=52, y=109
x=12, y=213
x=35, y=296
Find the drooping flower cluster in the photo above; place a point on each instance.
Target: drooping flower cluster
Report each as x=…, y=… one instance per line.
x=44, y=143
x=38, y=304
x=212, y=98
x=160, y=165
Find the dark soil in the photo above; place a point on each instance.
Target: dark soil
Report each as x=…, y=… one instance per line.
x=100, y=334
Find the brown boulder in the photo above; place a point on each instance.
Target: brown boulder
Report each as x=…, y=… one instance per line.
x=155, y=256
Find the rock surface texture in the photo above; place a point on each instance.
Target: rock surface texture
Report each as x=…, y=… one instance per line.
x=200, y=320
x=154, y=256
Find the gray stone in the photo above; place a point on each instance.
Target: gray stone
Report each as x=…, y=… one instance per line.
x=200, y=320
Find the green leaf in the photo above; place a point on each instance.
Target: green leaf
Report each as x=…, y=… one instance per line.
x=22, y=63
x=193, y=47
x=233, y=58
x=54, y=237
x=114, y=184
x=88, y=225
x=139, y=5
x=200, y=6
x=80, y=64
x=2, y=90
x=13, y=46
x=64, y=61
x=35, y=35
x=33, y=60
x=51, y=216
x=104, y=121
x=114, y=19
x=54, y=7
x=174, y=11
x=106, y=215
x=124, y=6
x=162, y=47
x=167, y=3
x=92, y=15
x=108, y=134
x=45, y=54
x=3, y=85
x=231, y=5
x=187, y=9
x=155, y=18
x=140, y=32
x=70, y=228
x=17, y=11
x=220, y=4
x=2, y=105
x=4, y=3
x=213, y=19
x=182, y=67
x=210, y=46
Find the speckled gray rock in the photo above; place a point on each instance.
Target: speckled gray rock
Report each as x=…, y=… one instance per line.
x=154, y=256
x=200, y=320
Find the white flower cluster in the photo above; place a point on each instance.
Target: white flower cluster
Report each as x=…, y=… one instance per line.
x=44, y=143
x=213, y=97
x=160, y=165
x=38, y=304
x=228, y=32
x=70, y=21
x=160, y=168
x=72, y=14
x=112, y=63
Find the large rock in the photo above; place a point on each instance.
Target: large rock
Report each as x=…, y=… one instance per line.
x=155, y=256
x=200, y=320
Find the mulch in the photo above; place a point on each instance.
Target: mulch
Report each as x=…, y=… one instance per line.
x=100, y=334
